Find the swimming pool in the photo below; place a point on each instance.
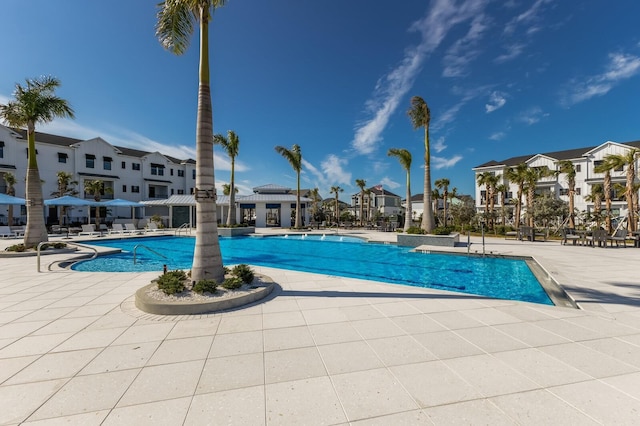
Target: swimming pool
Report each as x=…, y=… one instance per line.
x=342, y=256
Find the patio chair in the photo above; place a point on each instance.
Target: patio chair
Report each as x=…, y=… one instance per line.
x=89, y=230
x=6, y=232
x=569, y=234
x=598, y=236
x=619, y=236
x=152, y=227
x=116, y=228
x=130, y=228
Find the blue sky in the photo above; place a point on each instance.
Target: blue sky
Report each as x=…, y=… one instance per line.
x=502, y=78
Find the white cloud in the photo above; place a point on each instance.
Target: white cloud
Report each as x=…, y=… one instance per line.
x=450, y=114
x=333, y=168
x=441, y=17
x=439, y=145
x=380, y=166
x=497, y=136
x=621, y=67
x=496, y=101
x=532, y=115
x=389, y=183
x=464, y=50
x=513, y=51
x=444, y=163
x=528, y=17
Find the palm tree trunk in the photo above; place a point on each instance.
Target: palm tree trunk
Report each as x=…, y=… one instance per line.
x=298, y=224
x=408, y=216
x=36, y=230
x=231, y=218
x=207, y=260
x=607, y=200
x=427, y=214
x=631, y=222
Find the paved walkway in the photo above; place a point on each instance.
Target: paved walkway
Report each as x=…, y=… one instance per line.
x=325, y=350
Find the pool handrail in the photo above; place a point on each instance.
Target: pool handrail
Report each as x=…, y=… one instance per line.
x=148, y=248
x=185, y=226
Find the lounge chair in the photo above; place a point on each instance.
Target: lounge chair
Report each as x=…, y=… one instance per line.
x=116, y=228
x=569, y=234
x=89, y=230
x=130, y=228
x=152, y=227
x=6, y=232
x=619, y=236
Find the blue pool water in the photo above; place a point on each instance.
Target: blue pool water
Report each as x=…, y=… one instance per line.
x=342, y=256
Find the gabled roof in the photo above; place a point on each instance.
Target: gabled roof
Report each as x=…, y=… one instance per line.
x=271, y=188
x=379, y=190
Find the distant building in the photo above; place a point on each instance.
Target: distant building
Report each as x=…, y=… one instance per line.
x=379, y=200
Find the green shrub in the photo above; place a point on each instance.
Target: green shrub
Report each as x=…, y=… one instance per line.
x=415, y=230
x=442, y=230
x=205, y=286
x=172, y=282
x=232, y=283
x=243, y=272
x=19, y=248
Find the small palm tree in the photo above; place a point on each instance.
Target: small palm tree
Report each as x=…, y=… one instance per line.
x=605, y=167
x=176, y=20
x=314, y=194
x=534, y=174
x=627, y=160
x=96, y=188
x=33, y=104
x=10, y=180
x=443, y=184
x=294, y=157
x=404, y=157
x=518, y=176
x=65, y=187
x=435, y=196
x=361, y=183
x=489, y=180
x=567, y=167
x=420, y=116
x=595, y=197
x=337, y=190
x=231, y=145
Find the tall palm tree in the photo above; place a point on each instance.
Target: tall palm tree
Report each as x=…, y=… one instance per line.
x=597, y=192
x=65, y=187
x=518, y=175
x=420, y=117
x=443, y=184
x=567, y=167
x=226, y=189
x=627, y=160
x=337, y=190
x=533, y=175
x=10, y=180
x=175, y=26
x=33, y=104
x=361, y=183
x=231, y=145
x=605, y=167
x=294, y=157
x=96, y=188
x=489, y=180
x=314, y=194
x=404, y=157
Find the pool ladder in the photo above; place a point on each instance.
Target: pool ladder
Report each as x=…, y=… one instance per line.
x=135, y=248
x=184, y=227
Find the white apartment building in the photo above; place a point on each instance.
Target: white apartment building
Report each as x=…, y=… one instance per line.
x=584, y=160
x=379, y=200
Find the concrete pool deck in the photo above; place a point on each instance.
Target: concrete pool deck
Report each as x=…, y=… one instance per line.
x=325, y=350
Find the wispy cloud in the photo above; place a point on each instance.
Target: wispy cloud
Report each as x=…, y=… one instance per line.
x=497, y=136
x=513, y=51
x=333, y=169
x=445, y=163
x=532, y=115
x=496, y=101
x=440, y=18
x=130, y=139
x=465, y=50
x=529, y=18
x=621, y=66
x=439, y=145
x=527, y=24
x=450, y=114
x=389, y=183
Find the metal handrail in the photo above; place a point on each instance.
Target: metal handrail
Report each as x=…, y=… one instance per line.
x=184, y=226
x=95, y=252
x=135, y=248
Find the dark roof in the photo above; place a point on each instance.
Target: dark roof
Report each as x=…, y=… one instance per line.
x=379, y=190
x=557, y=155
x=65, y=141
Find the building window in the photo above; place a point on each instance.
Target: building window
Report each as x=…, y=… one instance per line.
x=62, y=157
x=578, y=168
x=180, y=191
x=135, y=189
x=597, y=163
x=1, y=149
x=106, y=163
x=193, y=173
x=191, y=191
x=90, y=161
x=564, y=191
x=578, y=191
x=135, y=166
x=172, y=191
x=124, y=188
x=124, y=164
x=157, y=169
x=171, y=172
x=618, y=169
x=180, y=173
x=483, y=198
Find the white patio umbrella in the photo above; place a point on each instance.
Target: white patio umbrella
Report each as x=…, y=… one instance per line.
x=7, y=200
x=71, y=201
x=119, y=202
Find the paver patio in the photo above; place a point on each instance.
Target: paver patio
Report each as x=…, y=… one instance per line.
x=325, y=350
